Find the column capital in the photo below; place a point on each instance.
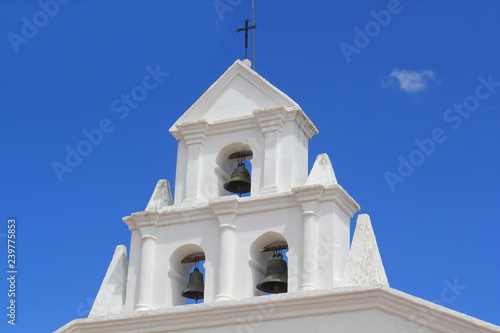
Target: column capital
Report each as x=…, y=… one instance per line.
x=308, y=213
x=227, y=226
x=148, y=236
x=148, y=232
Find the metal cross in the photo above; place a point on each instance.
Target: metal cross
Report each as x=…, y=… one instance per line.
x=246, y=28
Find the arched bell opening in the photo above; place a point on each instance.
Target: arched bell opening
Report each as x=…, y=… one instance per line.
x=269, y=264
x=233, y=170
x=187, y=275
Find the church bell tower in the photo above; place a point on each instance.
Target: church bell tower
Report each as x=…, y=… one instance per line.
x=241, y=117
x=274, y=255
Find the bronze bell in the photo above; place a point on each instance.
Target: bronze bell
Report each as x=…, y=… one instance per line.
x=276, y=279
x=195, y=288
x=240, y=180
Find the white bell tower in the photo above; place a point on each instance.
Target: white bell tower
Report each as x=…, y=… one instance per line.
x=332, y=285
x=307, y=213
x=241, y=111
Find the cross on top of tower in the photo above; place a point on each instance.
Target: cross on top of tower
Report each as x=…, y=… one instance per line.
x=246, y=28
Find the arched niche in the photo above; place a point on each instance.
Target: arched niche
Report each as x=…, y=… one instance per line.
x=258, y=258
x=179, y=272
x=224, y=166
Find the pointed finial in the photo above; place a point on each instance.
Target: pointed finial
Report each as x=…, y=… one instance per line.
x=322, y=172
x=364, y=266
x=162, y=196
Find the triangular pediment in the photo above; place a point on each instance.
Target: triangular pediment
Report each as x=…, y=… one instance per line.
x=238, y=92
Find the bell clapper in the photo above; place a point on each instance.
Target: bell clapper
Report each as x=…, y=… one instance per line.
x=196, y=265
x=241, y=163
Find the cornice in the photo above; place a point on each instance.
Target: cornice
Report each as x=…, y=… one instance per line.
x=304, y=123
x=211, y=209
x=224, y=205
x=193, y=132
x=141, y=219
x=323, y=193
x=287, y=306
x=236, y=124
x=342, y=198
x=268, y=202
x=309, y=192
x=239, y=206
x=271, y=119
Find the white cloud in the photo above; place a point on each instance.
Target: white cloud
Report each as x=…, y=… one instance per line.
x=411, y=81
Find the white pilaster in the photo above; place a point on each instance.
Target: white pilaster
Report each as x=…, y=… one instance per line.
x=271, y=122
x=148, y=242
x=225, y=210
x=310, y=197
x=194, y=135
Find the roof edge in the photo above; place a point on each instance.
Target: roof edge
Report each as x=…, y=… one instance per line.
x=289, y=305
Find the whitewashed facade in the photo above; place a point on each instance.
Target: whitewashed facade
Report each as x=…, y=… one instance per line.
x=332, y=285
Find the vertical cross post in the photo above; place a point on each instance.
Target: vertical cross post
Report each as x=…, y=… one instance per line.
x=246, y=28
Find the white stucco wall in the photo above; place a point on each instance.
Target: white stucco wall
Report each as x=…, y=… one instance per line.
x=257, y=221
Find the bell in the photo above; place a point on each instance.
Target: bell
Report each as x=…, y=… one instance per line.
x=195, y=287
x=276, y=279
x=240, y=180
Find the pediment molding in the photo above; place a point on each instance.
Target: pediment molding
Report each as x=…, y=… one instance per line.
x=271, y=119
x=236, y=98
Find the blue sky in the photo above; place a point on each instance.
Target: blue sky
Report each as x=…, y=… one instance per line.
x=406, y=97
